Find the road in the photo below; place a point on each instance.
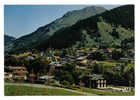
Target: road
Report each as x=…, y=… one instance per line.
x=50, y=87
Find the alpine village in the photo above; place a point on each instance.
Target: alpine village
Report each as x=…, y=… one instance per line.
x=85, y=52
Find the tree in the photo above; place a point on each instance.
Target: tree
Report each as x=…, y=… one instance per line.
x=127, y=43
x=129, y=73
x=116, y=55
x=98, y=68
x=62, y=75
x=97, y=56
x=115, y=33
x=12, y=61
x=39, y=66
x=68, y=73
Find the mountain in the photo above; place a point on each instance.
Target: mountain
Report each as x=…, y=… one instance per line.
x=44, y=33
x=108, y=29
x=8, y=39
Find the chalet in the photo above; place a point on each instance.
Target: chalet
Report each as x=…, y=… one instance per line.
x=17, y=72
x=56, y=65
x=45, y=77
x=8, y=76
x=82, y=60
x=29, y=57
x=97, y=81
x=94, y=81
x=81, y=52
x=94, y=49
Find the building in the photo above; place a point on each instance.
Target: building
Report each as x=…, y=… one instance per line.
x=97, y=81
x=8, y=76
x=16, y=72
x=94, y=81
x=45, y=77
x=82, y=60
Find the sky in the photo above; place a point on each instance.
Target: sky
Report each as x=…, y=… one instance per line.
x=21, y=20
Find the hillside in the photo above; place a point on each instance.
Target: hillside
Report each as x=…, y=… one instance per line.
x=8, y=39
x=109, y=29
x=44, y=33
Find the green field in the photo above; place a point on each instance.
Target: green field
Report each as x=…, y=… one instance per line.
x=11, y=90
x=107, y=93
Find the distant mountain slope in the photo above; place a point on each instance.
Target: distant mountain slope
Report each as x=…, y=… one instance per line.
x=108, y=29
x=8, y=39
x=45, y=32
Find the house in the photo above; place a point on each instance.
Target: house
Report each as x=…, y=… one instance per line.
x=94, y=49
x=45, y=77
x=81, y=52
x=56, y=58
x=17, y=72
x=29, y=57
x=8, y=76
x=56, y=65
x=97, y=81
x=94, y=81
x=82, y=60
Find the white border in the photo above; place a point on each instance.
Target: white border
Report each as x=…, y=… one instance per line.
x=68, y=2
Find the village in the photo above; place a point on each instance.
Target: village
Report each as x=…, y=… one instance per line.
x=73, y=69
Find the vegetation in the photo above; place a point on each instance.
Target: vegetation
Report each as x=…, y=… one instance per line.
x=96, y=47
x=8, y=39
x=68, y=75
x=107, y=93
x=98, y=69
x=45, y=32
x=11, y=90
x=96, y=31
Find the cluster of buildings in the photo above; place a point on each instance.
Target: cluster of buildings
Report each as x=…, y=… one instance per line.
x=80, y=57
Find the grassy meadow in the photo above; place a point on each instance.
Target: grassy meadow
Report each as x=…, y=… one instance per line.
x=11, y=90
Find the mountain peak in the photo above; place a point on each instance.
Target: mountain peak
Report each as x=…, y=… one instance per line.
x=45, y=32
x=89, y=9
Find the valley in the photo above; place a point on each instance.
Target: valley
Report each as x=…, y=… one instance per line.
x=89, y=51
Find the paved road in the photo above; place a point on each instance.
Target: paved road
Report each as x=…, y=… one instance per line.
x=44, y=86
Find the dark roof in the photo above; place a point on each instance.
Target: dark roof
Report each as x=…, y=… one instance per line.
x=92, y=76
x=96, y=77
x=16, y=67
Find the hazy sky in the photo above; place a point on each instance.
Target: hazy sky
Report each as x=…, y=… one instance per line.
x=20, y=20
